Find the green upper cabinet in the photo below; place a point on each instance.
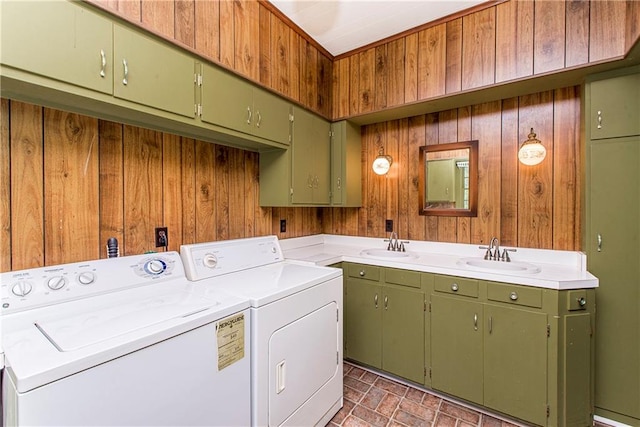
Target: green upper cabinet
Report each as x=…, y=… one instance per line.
x=346, y=166
x=615, y=107
x=59, y=40
x=233, y=103
x=152, y=73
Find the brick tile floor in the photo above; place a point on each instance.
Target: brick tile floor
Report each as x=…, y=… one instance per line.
x=372, y=400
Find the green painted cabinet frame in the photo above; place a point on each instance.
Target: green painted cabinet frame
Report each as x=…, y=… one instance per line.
x=346, y=164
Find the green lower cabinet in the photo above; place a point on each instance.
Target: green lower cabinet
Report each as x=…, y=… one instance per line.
x=456, y=347
x=515, y=362
x=363, y=330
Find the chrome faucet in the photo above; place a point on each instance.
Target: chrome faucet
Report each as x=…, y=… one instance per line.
x=495, y=244
x=493, y=251
x=393, y=244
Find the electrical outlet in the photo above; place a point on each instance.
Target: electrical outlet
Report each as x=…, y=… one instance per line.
x=283, y=225
x=388, y=225
x=162, y=237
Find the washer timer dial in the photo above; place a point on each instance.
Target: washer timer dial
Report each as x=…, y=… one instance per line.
x=21, y=289
x=155, y=266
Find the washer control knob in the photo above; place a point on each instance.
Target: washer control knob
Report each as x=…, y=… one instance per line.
x=86, y=278
x=210, y=260
x=56, y=283
x=155, y=266
x=21, y=289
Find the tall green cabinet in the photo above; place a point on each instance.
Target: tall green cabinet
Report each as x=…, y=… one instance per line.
x=612, y=241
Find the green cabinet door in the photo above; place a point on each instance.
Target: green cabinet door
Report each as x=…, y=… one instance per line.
x=310, y=166
x=346, y=166
x=613, y=248
x=456, y=347
x=403, y=333
x=615, y=107
x=152, y=73
x=60, y=40
x=363, y=308
x=227, y=100
x=515, y=362
x=271, y=116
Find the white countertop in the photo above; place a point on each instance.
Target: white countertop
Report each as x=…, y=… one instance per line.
x=555, y=269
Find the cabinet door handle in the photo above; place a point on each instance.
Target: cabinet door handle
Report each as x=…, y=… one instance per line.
x=454, y=287
x=490, y=324
x=599, y=238
x=125, y=66
x=375, y=300
x=513, y=296
x=103, y=62
x=475, y=322
x=339, y=183
x=259, y=118
x=386, y=302
x=599, y=119
x=248, y=115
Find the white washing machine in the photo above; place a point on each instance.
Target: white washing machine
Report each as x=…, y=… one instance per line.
x=122, y=341
x=296, y=326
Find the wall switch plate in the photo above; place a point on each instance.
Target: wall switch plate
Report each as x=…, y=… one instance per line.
x=388, y=225
x=161, y=237
x=283, y=225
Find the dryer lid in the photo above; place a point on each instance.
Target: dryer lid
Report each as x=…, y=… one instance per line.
x=91, y=327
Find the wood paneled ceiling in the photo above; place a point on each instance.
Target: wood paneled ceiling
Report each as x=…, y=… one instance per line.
x=341, y=26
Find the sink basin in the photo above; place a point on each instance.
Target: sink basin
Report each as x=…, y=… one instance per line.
x=385, y=254
x=481, y=264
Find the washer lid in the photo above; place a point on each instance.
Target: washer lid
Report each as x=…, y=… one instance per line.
x=92, y=327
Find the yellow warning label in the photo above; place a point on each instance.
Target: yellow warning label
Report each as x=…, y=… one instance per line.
x=230, y=333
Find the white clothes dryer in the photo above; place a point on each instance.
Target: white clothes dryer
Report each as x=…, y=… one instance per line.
x=296, y=326
x=122, y=341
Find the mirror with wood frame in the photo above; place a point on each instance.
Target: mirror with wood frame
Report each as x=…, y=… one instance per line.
x=448, y=183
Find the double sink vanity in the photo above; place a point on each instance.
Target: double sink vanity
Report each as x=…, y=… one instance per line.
x=515, y=337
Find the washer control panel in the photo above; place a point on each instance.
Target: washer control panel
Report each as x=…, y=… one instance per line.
x=25, y=289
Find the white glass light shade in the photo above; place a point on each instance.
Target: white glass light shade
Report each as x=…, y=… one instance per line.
x=531, y=152
x=381, y=164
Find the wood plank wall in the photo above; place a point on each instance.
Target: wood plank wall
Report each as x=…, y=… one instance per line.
x=529, y=206
x=69, y=182
x=509, y=41
x=244, y=36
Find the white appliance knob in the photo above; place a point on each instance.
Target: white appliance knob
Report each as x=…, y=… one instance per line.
x=21, y=289
x=57, y=282
x=155, y=266
x=210, y=261
x=86, y=278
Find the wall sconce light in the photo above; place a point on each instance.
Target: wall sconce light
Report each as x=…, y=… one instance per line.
x=382, y=163
x=531, y=152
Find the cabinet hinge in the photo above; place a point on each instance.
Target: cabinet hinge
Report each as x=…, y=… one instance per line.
x=291, y=118
x=548, y=411
x=429, y=306
x=429, y=373
x=330, y=134
x=548, y=330
x=289, y=138
x=425, y=306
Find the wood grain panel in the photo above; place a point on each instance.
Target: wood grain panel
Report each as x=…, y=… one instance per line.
x=376, y=137
x=143, y=188
x=205, y=192
x=514, y=39
x=172, y=189
x=237, y=200
x=341, y=88
x=381, y=78
x=5, y=188
x=566, y=166
x=392, y=181
x=264, y=19
x=27, y=186
x=71, y=177
x=250, y=193
x=189, y=190
x=354, y=84
x=406, y=212
x=417, y=138
x=606, y=30
x=454, y=56
x=432, y=136
x=159, y=16
x=464, y=134
x=395, y=79
x=227, y=33
x=366, y=87
x=280, y=66
x=577, y=35
x=411, y=68
x=486, y=126
x=294, y=65
x=308, y=74
x=432, y=61
x=222, y=192
x=535, y=193
x=509, y=180
x=324, y=73
x=111, y=207
x=632, y=27
x=479, y=49
x=549, y=34
x=207, y=29
x=447, y=132
x=185, y=22
x=132, y=9
x=246, y=15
